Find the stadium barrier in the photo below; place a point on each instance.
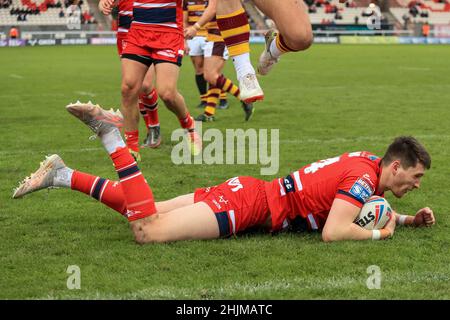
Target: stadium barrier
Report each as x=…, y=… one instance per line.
x=49, y=38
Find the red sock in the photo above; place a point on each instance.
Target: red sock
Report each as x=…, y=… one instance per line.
x=144, y=113
x=107, y=192
x=150, y=103
x=187, y=122
x=132, y=140
x=137, y=192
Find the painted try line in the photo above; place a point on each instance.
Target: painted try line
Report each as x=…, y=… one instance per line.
x=360, y=138
x=274, y=285
x=289, y=141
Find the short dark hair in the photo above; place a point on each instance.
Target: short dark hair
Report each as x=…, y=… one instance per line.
x=409, y=151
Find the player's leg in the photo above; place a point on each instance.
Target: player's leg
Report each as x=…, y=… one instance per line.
x=196, y=51
x=175, y=203
x=166, y=85
x=235, y=30
x=295, y=32
x=134, y=69
x=223, y=102
x=202, y=85
x=192, y=222
x=148, y=106
x=236, y=205
x=136, y=191
x=54, y=173
x=213, y=66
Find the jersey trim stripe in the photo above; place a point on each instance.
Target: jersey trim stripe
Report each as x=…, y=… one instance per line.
x=282, y=192
x=298, y=182
x=233, y=220
x=312, y=222
x=154, y=5
x=345, y=193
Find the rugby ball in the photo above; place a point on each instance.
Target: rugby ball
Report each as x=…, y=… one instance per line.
x=375, y=213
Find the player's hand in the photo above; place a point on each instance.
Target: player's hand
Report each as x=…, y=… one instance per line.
x=186, y=48
x=390, y=226
x=424, y=218
x=106, y=6
x=190, y=32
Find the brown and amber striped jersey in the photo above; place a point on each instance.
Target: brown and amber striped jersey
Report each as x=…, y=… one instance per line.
x=195, y=9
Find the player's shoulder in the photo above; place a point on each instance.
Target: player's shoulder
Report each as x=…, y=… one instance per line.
x=362, y=163
x=363, y=158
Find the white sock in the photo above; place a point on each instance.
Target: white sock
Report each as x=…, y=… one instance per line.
x=63, y=178
x=274, y=51
x=243, y=65
x=112, y=140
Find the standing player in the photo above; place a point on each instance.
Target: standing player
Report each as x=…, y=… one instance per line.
x=148, y=98
x=295, y=34
x=216, y=55
x=155, y=38
x=326, y=195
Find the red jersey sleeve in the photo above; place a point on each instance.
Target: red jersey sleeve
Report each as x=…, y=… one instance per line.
x=357, y=186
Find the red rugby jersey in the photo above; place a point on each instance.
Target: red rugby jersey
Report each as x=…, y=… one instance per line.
x=125, y=15
x=158, y=15
x=310, y=191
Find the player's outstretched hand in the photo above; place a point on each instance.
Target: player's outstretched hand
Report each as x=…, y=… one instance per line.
x=424, y=218
x=106, y=6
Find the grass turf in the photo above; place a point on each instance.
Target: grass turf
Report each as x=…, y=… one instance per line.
x=326, y=101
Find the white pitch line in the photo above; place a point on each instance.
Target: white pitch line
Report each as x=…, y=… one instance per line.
x=358, y=139
x=414, y=68
x=21, y=152
x=286, y=141
x=16, y=76
x=273, y=285
x=85, y=93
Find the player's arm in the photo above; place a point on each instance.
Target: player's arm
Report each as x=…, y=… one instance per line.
x=208, y=14
x=185, y=16
x=340, y=226
x=423, y=218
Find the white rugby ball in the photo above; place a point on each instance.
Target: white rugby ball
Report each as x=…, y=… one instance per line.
x=375, y=213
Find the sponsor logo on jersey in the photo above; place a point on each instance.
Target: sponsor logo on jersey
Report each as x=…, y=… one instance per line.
x=166, y=53
x=361, y=190
x=288, y=183
x=217, y=204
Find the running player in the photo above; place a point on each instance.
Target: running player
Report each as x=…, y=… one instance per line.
x=326, y=195
x=195, y=48
x=148, y=98
x=295, y=34
x=215, y=55
x=155, y=38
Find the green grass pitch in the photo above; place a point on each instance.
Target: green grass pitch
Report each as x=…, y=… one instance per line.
x=326, y=101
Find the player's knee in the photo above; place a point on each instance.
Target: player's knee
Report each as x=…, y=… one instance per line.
x=299, y=39
x=210, y=77
x=152, y=230
x=147, y=87
x=129, y=89
x=168, y=95
x=151, y=235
